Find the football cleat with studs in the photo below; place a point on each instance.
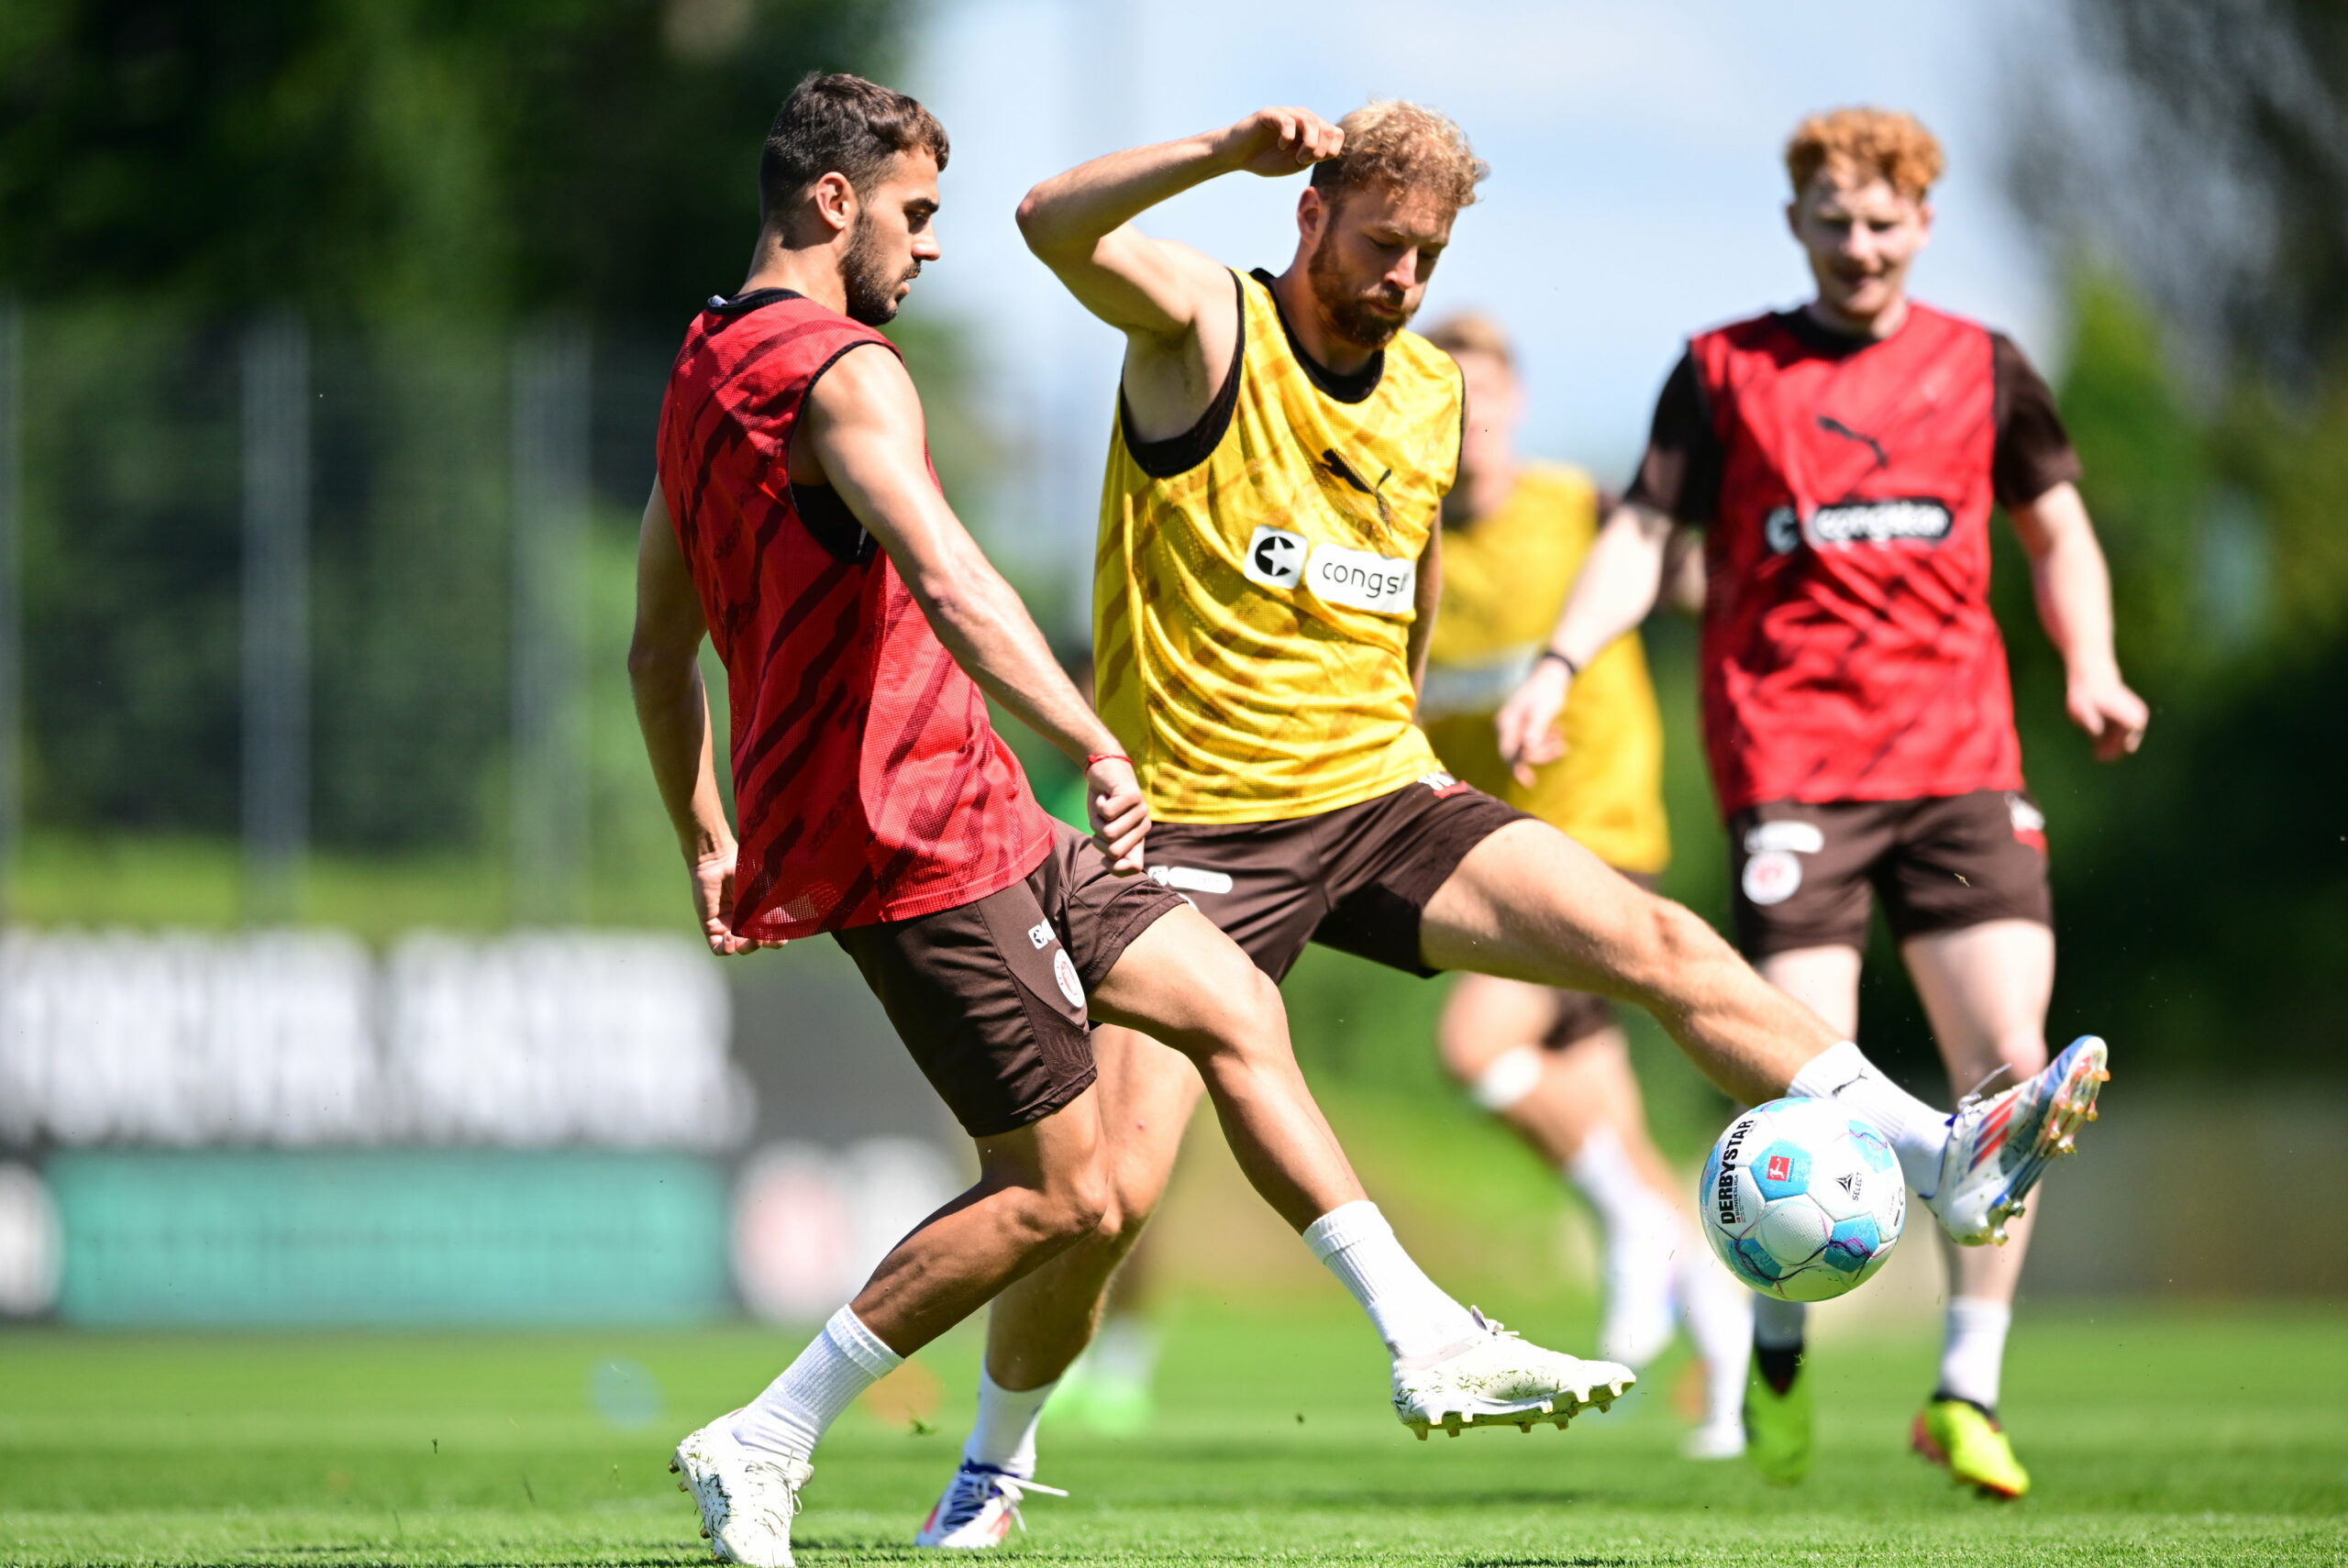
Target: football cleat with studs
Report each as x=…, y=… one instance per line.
x=1778, y=1426
x=979, y=1506
x=1497, y=1378
x=1999, y=1146
x=1967, y=1440
x=746, y=1496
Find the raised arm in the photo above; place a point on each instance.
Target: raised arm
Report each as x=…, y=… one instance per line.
x=672, y=710
x=1079, y=224
x=862, y=434
x=2073, y=591
x=1613, y=592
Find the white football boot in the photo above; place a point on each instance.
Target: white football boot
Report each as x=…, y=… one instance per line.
x=1997, y=1148
x=1499, y=1379
x=980, y=1505
x=746, y=1496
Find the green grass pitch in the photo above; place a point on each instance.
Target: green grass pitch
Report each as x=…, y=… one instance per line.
x=2174, y=1437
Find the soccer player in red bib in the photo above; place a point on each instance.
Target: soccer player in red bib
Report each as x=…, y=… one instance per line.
x=1843, y=460
x=799, y=527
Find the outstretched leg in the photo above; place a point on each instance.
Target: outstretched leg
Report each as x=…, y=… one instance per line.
x=1530, y=904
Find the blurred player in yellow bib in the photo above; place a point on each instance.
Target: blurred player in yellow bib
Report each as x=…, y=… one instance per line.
x=1554, y=1064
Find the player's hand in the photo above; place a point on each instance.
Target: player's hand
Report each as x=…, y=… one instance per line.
x=713, y=880
x=2114, y=717
x=1273, y=143
x=1527, y=723
x=1120, y=815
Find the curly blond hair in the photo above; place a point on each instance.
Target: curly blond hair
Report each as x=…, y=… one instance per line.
x=1885, y=143
x=1391, y=142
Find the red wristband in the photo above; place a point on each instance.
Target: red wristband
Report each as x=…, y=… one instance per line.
x=1092, y=757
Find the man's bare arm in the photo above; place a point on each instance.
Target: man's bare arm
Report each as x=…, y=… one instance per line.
x=672, y=710
x=2073, y=591
x=863, y=435
x=1616, y=586
x=1079, y=224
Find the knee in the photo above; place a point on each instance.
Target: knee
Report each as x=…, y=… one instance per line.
x=1241, y=1015
x=1667, y=943
x=1075, y=1202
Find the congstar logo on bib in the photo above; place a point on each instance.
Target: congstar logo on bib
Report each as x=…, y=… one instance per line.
x=1921, y=520
x=1358, y=579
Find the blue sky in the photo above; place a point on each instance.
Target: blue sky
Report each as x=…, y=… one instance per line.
x=1635, y=192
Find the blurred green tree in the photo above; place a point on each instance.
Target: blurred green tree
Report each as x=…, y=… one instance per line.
x=416, y=178
x=363, y=158
x=2197, y=173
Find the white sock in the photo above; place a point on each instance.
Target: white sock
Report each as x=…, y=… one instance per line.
x=1917, y=1133
x=841, y=1362
x=1410, y=1311
x=1604, y=1173
x=1778, y=1325
x=1973, y=1351
x=1720, y=1323
x=1642, y=1231
x=1514, y=1073
x=1003, y=1437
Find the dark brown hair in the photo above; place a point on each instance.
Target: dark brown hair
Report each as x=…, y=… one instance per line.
x=843, y=125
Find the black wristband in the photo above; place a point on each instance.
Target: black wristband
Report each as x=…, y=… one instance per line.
x=1572, y=669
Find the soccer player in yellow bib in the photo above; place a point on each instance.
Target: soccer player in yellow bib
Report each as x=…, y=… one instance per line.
x=1554, y=1064
x=1266, y=580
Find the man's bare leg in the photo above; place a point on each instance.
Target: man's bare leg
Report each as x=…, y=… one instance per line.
x=1490, y=1023
x=1528, y=903
x=1186, y=985
x=1986, y=990
x=1039, y=1326
x=1040, y=1187
x=1037, y=1329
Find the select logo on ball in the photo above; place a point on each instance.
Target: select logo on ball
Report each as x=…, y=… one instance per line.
x=1780, y=1168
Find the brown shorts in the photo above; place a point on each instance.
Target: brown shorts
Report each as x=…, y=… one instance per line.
x=1355, y=878
x=988, y=996
x=1803, y=873
x=1581, y=1014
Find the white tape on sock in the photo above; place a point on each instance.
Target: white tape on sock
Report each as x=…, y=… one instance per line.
x=1512, y=1075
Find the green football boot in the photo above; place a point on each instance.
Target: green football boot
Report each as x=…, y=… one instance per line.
x=1967, y=1439
x=1777, y=1427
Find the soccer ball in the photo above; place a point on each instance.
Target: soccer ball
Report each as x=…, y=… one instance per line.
x=1801, y=1201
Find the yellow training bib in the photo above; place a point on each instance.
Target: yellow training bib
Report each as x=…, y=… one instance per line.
x=1256, y=580
x=1505, y=578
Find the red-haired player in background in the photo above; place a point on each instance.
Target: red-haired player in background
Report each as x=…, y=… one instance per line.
x=1843, y=460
